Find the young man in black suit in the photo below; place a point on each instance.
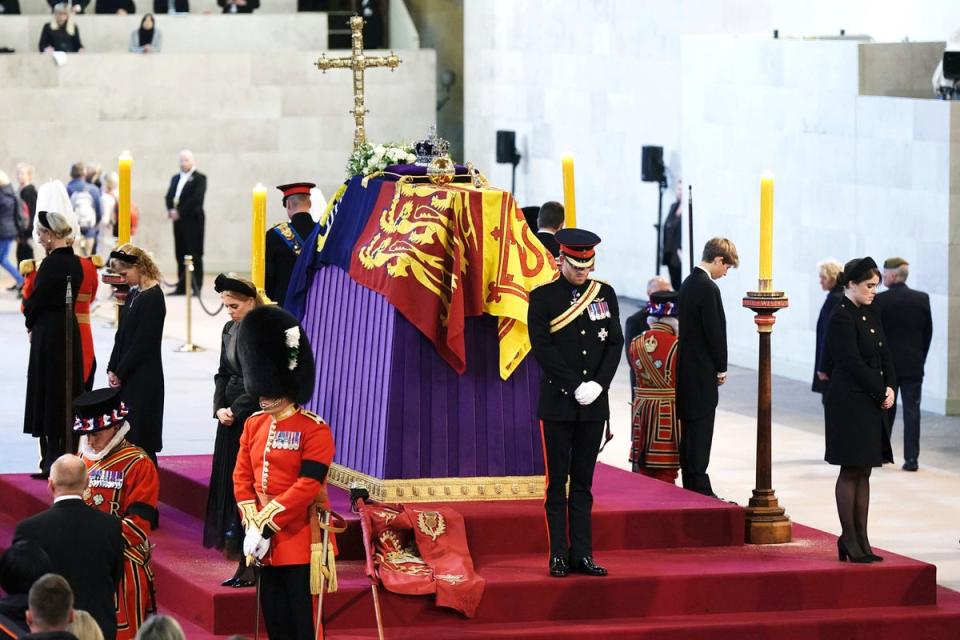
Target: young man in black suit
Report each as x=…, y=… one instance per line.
x=84, y=545
x=549, y=221
x=51, y=608
x=908, y=324
x=185, y=207
x=575, y=336
x=702, y=360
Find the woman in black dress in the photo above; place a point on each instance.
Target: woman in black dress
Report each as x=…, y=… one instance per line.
x=861, y=390
x=231, y=406
x=829, y=270
x=135, y=363
x=45, y=311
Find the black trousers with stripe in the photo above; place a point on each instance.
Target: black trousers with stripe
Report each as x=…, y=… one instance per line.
x=570, y=450
x=286, y=601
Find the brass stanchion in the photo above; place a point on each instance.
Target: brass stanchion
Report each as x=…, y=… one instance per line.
x=189, y=347
x=68, y=374
x=766, y=520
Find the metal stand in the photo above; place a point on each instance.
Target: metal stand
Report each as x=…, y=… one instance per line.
x=68, y=374
x=661, y=187
x=189, y=347
x=690, y=244
x=766, y=520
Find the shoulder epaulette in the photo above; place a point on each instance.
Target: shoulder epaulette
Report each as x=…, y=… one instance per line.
x=600, y=281
x=29, y=266
x=256, y=413
x=97, y=261
x=313, y=416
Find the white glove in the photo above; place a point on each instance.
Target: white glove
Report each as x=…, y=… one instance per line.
x=262, y=547
x=587, y=392
x=252, y=541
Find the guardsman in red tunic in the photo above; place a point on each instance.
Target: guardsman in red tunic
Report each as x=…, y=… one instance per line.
x=86, y=294
x=123, y=483
x=655, y=448
x=280, y=480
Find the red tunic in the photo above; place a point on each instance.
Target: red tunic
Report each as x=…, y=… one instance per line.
x=86, y=294
x=655, y=450
x=281, y=472
x=124, y=483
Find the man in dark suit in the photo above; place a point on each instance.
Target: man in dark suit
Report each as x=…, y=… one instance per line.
x=575, y=336
x=549, y=221
x=702, y=360
x=908, y=324
x=673, y=239
x=185, y=207
x=84, y=545
x=285, y=240
x=51, y=609
x=171, y=6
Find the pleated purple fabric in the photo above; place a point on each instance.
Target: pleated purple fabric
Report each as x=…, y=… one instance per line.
x=399, y=411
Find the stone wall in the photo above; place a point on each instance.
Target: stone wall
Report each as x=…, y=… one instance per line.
x=249, y=118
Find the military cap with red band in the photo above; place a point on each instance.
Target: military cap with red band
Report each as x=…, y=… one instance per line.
x=295, y=188
x=577, y=246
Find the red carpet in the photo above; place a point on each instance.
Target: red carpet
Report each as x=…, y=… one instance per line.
x=678, y=570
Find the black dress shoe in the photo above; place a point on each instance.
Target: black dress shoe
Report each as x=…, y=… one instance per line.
x=229, y=582
x=586, y=565
x=910, y=465
x=559, y=567
x=241, y=583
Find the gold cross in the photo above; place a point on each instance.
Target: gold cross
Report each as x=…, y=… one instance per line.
x=358, y=62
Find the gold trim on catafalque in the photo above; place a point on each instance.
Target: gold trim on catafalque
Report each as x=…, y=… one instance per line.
x=440, y=489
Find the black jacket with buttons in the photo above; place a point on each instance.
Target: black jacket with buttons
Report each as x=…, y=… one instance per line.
x=588, y=348
x=860, y=368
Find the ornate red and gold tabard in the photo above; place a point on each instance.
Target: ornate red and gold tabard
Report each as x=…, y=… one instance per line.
x=655, y=450
x=417, y=550
x=280, y=483
x=124, y=483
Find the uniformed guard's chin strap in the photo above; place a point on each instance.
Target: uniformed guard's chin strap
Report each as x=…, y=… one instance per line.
x=118, y=437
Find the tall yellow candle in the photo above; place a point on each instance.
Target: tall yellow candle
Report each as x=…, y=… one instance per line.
x=258, y=236
x=766, y=231
x=569, y=195
x=125, y=164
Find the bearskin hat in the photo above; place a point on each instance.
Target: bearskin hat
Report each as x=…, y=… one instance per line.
x=275, y=355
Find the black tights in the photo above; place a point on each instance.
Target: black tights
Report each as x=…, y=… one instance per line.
x=853, y=505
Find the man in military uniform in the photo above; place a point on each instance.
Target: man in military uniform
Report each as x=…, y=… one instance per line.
x=123, y=482
x=285, y=240
x=280, y=480
x=576, y=338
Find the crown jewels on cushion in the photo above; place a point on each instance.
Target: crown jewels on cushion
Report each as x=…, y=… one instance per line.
x=431, y=148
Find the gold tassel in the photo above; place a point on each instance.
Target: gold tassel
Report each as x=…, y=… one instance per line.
x=316, y=566
x=331, y=570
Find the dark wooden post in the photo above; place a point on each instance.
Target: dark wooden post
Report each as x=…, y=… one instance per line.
x=766, y=520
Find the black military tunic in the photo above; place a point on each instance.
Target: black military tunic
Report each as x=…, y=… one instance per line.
x=284, y=243
x=574, y=343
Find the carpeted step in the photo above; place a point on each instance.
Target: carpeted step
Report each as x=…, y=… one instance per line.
x=630, y=512
x=932, y=622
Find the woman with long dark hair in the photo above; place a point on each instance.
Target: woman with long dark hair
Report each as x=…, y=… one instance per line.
x=860, y=392
x=232, y=405
x=146, y=39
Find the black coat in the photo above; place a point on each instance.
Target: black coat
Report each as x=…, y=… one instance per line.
x=162, y=6
x=45, y=313
x=905, y=315
x=581, y=351
x=190, y=204
x=9, y=212
x=819, y=362
x=862, y=369
x=549, y=242
x=703, y=345
x=85, y=546
x=136, y=359
x=112, y=6
x=247, y=8
x=672, y=236
x=281, y=256
x=59, y=39
x=28, y=195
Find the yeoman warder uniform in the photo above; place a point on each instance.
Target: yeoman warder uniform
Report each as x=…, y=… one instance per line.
x=576, y=338
x=280, y=480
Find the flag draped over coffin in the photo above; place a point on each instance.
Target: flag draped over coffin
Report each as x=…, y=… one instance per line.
x=439, y=255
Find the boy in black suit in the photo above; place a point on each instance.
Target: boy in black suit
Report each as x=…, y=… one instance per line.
x=702, y=360
x=84, y=545
x=908, y=324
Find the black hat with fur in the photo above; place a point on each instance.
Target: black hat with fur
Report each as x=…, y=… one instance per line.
x=275, y=355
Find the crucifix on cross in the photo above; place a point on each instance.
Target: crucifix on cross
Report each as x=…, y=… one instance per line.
x=358, y=62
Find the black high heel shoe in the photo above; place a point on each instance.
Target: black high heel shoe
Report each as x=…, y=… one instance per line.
x=844, y=555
